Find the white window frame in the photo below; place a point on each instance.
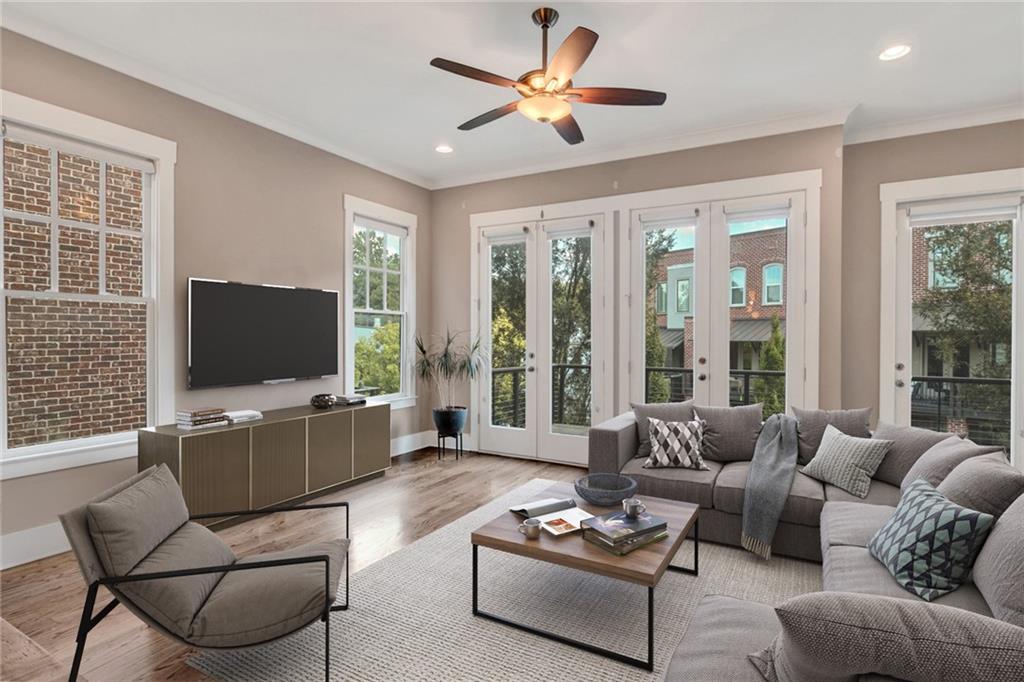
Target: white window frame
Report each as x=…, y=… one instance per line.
x=379, y=213
x=158, y=249
x=662, y=289
x=897, y=200
x=689, y=298
x=742, y=287
x=781, y=284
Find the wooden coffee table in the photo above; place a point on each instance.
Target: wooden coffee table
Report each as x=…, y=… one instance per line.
x=643, y=566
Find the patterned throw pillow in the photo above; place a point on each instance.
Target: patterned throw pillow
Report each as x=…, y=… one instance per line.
x=929, y=545
x=676, y=444
x=847, y=462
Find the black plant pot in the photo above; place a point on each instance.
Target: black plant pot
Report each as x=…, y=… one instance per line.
x=450, y=420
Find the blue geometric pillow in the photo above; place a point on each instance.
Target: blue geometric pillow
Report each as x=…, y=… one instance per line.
x=929, y=545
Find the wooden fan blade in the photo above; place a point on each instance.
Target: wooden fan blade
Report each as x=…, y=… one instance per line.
x=571, y=55
x=569, y=129
x=491, y=115
x=470, y=72
x=621, y=96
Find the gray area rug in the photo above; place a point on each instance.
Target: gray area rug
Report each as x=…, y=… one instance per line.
x=411, y=614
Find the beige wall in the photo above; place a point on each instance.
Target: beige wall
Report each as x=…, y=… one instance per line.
x=250, y=205
x=865, y=167
x=805, y=150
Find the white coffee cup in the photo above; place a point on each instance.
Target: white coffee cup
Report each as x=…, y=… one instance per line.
x=530, y=528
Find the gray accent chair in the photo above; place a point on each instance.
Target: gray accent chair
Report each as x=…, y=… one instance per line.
x=138, y=540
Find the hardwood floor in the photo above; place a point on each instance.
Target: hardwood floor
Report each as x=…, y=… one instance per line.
x=418, y=495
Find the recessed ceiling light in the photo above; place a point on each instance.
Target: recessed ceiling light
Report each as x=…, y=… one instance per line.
x=443, y=149
x=894, y=52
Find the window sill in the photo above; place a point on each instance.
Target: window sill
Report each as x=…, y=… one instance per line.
x=48, y=457
x=771, y=305
x=397, y=402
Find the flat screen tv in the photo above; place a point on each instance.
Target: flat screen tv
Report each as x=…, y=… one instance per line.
x=257, y=333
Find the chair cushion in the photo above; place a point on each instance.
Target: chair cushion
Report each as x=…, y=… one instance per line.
x=987, y=483
x=853, y=569
x=723, y=630
x=803, y=505
x=250, y=607
x=173, y=602
x=730, y=433
x=851, y=523
x=940, y=459
x=685, y=485
x=810, y=427
x=129, y=525
x=673, y=412
x=999, y=570
x=846, y=461
x=879, y=493
x=908, y=444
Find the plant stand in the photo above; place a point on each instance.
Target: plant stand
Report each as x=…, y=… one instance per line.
x=457, y=437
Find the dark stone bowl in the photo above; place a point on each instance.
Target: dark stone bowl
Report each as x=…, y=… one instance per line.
x=605, y=490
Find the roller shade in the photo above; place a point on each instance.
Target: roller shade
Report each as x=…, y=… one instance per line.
x=379, y=225
x=22, y=133
x=976, y=210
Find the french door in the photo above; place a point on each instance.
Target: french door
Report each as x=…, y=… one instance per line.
x=541, y=303
x=717, y=303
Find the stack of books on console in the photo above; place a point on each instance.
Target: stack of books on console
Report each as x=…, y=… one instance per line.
x=350, y=399
x=201, y=418
x=242, y=416
x=619, y=534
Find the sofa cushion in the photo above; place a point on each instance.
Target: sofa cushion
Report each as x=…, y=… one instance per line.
x=730, y=433
x=940, y=459
x=722, y=631
x=129, y=525
x=685, y=485
x=853, y=569
x=846, y=461
x=173, y=602
x=999, y=570
x=851, y=523
x=258, y=605
x=878, y=493
x=803, y=506
x=810, y=427
x=987, y=483
x=673, y=412
x=893, y=637
x=908, y=444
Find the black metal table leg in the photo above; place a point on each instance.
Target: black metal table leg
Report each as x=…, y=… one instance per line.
x=696, y=553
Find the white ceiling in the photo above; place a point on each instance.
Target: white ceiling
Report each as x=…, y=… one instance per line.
x=354, y=78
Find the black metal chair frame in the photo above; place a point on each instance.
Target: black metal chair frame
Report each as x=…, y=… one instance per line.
x=89, y=621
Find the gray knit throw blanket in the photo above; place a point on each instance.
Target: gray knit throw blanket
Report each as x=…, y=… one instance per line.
x=768, y=482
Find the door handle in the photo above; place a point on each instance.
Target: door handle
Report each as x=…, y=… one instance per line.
x=529, y=369
x=702, y=377
x=900, y=383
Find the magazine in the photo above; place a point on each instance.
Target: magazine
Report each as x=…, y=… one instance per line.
x=541, y=507
x=564, y=521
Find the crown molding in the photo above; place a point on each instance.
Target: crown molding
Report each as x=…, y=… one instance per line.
x=117, y=61
x=934, y=124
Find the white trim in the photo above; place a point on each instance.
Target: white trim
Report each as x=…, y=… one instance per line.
x=895, y=259
x=933, y=124
x=411, y=442
x=158, y=286
x=47, y=457
x=31, y=544
x=354, y=206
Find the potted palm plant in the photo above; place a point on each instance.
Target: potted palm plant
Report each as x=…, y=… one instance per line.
x=446, y=362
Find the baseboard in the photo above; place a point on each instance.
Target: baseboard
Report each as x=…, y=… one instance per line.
x=30, y=544
x=412, y=442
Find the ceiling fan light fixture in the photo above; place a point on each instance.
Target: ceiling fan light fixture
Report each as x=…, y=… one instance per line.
x=544, y=108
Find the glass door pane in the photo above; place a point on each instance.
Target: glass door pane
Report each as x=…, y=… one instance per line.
x=508, y=334
x=670, y=292
x=570, y=291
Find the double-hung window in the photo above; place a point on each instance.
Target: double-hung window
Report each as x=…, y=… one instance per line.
x=661, y=298
x=738, y=287
x=683, y=296
x=771, y=293
x=381, y=248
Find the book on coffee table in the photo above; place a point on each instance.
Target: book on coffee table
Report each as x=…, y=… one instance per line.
x=626, y=546
x=617, y=527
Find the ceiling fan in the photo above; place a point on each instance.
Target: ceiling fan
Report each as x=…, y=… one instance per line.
x=548, y=93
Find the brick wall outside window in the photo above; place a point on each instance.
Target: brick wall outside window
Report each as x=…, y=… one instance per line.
x=75, y=368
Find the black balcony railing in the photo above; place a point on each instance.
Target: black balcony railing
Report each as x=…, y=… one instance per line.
x=977, y=407
x=679, y=380
x=570, y=404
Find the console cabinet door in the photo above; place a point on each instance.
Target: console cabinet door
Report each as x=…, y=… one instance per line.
x=372, y=439
x=278, y=462
x=215, y=471
x=330, y=449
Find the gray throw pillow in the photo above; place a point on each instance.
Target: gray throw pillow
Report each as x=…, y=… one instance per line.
x=987, y=483
x=730, y=433
x=676, y=444
x=940, y=459
x=127, y=526
x=669, y=412
x=847, y=462
x=999, y=570
x=839, y=636
x=929, y=544
x=810, y=427
x=908, y=444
